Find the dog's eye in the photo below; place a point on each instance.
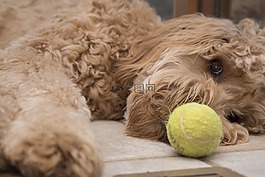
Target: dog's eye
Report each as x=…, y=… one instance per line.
x=216, y=67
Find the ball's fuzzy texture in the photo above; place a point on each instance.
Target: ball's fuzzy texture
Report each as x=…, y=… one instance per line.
x=194, y=130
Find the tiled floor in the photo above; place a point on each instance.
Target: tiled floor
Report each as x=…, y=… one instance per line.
x=127, y=155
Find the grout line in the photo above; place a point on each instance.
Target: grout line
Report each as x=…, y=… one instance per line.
x=209, y=162
x=149, y=158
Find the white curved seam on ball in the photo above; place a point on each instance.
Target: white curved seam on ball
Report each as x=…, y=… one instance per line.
x=185, y=133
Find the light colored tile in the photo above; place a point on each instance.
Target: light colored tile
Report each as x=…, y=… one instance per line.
x=116, y=146
x=123, y=154
x=248, y=163
x=151, y=165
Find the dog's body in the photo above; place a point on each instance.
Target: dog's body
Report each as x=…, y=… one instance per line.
x=113, y=57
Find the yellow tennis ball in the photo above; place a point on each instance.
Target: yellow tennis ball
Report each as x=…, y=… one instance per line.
x=194, y=130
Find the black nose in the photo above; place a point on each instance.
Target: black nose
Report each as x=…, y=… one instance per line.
x=232, y=117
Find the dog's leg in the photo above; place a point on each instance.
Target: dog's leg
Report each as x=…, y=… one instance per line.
x=48, y=134
x=54, y=145
x=8, y=110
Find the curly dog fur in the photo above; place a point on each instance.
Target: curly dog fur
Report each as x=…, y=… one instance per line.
x=84, y=65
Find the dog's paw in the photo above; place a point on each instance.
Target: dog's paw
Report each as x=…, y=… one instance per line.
x=52, y=154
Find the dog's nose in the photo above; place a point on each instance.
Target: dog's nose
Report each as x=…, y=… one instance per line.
x=232, y=117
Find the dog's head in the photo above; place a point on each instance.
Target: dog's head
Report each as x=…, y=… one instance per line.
x=198, y=59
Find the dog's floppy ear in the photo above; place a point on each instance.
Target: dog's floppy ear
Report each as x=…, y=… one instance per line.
x=184, y=32
x=149, y=48
x=248, y=27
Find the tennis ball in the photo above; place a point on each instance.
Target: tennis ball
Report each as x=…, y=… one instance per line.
x=194, y=130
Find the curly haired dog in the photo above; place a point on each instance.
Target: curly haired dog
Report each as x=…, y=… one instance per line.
x=88, y=65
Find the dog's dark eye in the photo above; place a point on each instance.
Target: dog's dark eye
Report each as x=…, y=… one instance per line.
x=216, y=67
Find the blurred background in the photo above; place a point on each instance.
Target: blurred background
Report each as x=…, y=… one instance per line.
x=232, y=9
x=17, y=17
